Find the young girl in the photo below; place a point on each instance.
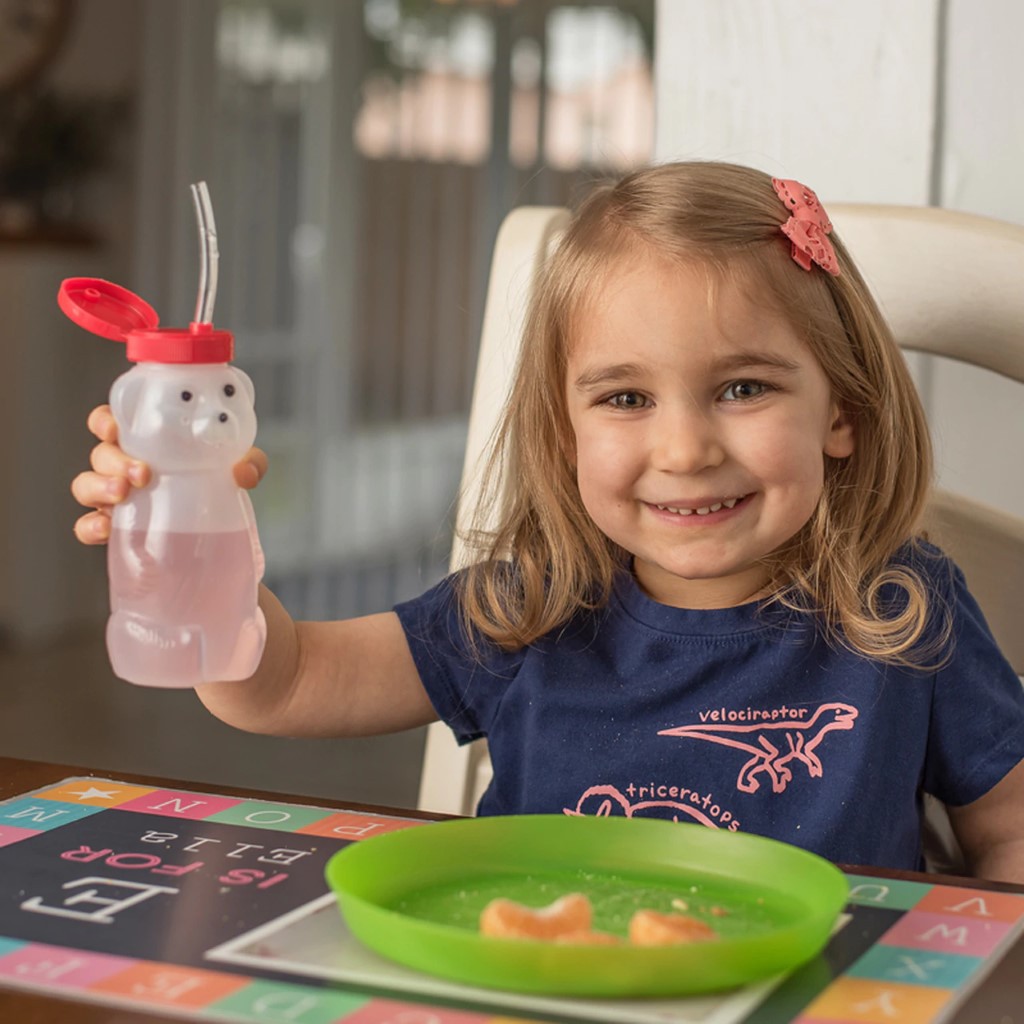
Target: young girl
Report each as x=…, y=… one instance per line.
x=705, y=599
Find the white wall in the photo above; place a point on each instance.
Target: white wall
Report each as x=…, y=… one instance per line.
x=979, y=418
x=916, y=102
x=834, y=93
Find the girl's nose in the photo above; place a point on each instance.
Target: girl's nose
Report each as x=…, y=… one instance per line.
x=685, y=441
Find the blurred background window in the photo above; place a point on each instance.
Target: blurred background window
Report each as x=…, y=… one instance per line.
x=361, y=157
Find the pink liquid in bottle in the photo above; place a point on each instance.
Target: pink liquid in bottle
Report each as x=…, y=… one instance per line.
x=184, y=558
x=183, y=607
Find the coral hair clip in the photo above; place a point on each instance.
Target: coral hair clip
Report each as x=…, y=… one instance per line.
x=808, y=226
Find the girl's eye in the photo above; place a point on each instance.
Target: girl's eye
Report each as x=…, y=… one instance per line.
x=627, y=400
x=186, y=396
x=229, y=389
x=744, y=390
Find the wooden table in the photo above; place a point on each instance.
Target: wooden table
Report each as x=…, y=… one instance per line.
x=998, y=1000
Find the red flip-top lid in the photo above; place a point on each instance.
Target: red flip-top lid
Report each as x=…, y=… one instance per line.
x=114, y=312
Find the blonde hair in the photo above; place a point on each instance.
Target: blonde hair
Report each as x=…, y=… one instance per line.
x=840, y=564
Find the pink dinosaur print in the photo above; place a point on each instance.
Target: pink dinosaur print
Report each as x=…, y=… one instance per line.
x=608, y=802
x=763, y=740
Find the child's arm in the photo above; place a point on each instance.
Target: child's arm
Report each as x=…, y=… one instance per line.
x=991, y=830
x=347, y=678
x=353, y=677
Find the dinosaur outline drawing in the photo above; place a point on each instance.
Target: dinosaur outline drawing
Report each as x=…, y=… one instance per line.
x=801, y=740
x=611, y=803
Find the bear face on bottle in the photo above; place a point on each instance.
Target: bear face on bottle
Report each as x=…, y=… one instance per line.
x=185, y=418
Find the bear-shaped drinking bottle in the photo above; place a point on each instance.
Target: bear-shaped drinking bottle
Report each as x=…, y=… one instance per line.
x=184, y=558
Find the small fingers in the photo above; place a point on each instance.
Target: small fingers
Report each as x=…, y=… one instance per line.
x=108, y=459
x=93, y=528
x=109, y=482
x=98, y=490
x=252, y=469
x=101, y=422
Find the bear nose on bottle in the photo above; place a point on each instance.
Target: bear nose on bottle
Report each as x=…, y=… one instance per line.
x=223, y=417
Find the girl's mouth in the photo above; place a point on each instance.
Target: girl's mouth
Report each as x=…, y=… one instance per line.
x=717, y=509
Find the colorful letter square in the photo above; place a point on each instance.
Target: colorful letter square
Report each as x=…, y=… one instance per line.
x=41, y=815
x=94, y=792
x=9, y=834
x=386, y=1011
x=281, y=817
x=176, y=804
x=973, y=903
x=855, y=1000
x=350, y=825
x=891, y=894
x=946, y=934
x=915, y=966
x=164, y=985
x=44, y=966
x=273, y=1001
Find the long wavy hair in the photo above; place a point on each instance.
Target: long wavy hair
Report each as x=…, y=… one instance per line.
x=840, y=564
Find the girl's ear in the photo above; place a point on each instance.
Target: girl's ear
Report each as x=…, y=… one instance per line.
x=839, y=441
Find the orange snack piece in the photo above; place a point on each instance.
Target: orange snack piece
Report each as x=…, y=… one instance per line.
x=649, y=928
x=568, y=915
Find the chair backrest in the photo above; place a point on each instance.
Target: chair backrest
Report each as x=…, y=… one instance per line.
x=949, y=283
x=454, y=777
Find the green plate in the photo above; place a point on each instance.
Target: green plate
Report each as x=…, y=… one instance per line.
x=415, y=896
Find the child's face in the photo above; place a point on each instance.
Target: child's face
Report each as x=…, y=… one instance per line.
x=679, y=407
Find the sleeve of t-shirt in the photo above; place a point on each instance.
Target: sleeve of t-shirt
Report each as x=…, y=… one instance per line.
x=977, y=726
x=465, y=681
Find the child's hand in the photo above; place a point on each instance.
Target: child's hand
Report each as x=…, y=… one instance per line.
x=114, y=474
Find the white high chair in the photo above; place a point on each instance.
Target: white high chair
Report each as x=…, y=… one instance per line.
x=950, y=284
x=453, y=777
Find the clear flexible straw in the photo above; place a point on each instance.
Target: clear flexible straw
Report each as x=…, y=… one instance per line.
x=208, y=253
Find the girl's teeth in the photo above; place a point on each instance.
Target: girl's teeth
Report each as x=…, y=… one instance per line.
x=728, y=503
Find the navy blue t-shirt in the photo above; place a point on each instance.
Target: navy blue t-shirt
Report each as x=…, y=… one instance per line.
x=740, y=718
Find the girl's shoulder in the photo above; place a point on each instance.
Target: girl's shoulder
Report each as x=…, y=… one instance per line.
x=436, y=620
x=956, y=622
x=436, y=607
x=935, y=568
